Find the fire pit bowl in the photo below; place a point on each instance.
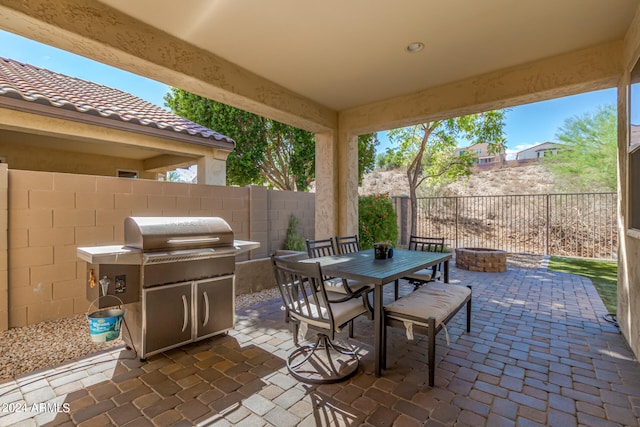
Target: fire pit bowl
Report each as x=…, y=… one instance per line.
x=481, y=259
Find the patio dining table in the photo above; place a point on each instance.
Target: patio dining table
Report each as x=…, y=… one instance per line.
x=363, y=266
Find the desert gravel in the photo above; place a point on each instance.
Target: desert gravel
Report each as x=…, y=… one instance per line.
x=51, y=343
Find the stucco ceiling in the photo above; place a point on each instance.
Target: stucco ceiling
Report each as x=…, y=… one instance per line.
x=348, y=53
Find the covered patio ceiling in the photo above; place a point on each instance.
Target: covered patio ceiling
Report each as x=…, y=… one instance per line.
x=346, y=54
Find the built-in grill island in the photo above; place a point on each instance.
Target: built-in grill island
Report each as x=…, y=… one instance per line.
x=174, y=275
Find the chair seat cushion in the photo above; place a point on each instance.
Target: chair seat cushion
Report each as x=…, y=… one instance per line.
x=343, y=312
x=425, y=275
x=437, y=300
x=335, y=285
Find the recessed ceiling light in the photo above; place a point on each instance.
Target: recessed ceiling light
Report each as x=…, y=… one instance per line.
x=414, y=47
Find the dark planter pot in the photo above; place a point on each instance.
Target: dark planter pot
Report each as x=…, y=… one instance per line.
x=383, y=252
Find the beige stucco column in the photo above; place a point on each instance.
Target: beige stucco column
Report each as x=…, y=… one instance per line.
x=628, y=311
x=336, y=184
x=212, y=169
x=347, y=163
x=4, y=247
x=326, y=185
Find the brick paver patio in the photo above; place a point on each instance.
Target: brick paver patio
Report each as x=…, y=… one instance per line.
x=539, y=353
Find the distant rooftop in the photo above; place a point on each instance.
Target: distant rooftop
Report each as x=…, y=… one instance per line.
x=96, y=103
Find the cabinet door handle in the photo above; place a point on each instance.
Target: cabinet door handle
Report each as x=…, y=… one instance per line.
x=206, y=308
x=185, y=311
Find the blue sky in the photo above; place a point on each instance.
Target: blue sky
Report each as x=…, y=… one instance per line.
x=526, y=125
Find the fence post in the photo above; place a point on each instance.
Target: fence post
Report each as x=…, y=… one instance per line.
x=402, y=211
x=548, y=223
x=457, y=225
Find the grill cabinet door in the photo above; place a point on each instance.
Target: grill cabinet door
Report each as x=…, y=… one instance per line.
x=215, y=306
x=167, y=321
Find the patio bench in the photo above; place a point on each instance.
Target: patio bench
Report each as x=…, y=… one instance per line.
x=426, y=311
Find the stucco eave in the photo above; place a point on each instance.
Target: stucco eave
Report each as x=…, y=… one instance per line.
x=87, y=134
x=594, y=68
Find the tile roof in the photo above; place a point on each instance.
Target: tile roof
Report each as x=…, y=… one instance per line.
x=45, y=87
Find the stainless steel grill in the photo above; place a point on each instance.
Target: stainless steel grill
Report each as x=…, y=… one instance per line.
x=175, y=276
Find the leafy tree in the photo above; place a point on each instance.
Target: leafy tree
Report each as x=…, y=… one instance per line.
x=390, y=159
x=267, y=152
x=173, y=176
x=245, y=128
x=366, y=154
x=589, y=162
x=428, y=150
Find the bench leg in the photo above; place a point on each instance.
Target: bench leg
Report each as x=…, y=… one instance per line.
x=432, y=350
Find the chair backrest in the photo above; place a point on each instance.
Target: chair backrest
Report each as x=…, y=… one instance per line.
x=426, y=244
x=303, y=292
x=348, y=244
x=320, y=247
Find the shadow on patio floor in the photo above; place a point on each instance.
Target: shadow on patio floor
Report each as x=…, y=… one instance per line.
x=539, y=353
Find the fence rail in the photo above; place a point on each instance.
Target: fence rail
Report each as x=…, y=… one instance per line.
x=583, y=225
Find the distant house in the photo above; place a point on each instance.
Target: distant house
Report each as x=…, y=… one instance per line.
x=57, y=123
x=539, y=151
x=481, y=152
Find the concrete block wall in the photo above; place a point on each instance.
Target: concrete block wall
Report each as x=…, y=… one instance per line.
x=48, y=215
x=282, y=204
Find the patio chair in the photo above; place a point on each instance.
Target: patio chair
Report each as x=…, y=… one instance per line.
x=304, y=295
x=320, y=247
x=336, y=285
x=347, y=244
x=427, y=244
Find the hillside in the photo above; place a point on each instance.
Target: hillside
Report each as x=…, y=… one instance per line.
x=512, y=178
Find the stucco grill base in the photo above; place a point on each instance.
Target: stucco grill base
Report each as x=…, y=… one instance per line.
x=481, y=259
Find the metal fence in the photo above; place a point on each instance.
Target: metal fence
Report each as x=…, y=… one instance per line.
x=582, y=225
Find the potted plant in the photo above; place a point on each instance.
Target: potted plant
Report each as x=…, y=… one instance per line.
x=383, y=250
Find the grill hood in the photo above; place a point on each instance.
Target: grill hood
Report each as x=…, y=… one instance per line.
x=169, y=239
x=165, y=234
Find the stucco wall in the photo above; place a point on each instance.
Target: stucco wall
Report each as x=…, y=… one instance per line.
x=4, y=277
x=629, y=252
x=51, y=214
x=21, y=152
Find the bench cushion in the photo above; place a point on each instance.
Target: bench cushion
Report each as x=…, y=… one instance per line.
x=437, y=300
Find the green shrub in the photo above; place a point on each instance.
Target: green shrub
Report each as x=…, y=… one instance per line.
x=376, y=220
x=295, y=241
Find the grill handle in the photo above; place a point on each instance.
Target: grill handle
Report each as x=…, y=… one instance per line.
x=185, y=312
x=206, y=308
x=193, y=240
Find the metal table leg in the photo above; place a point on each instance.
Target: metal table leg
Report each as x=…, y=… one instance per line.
x=378, y=325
